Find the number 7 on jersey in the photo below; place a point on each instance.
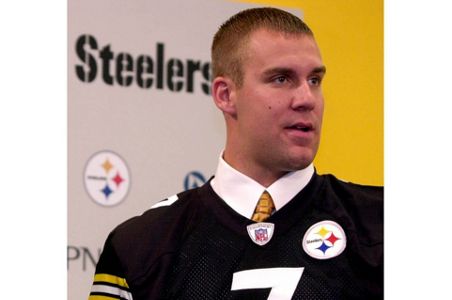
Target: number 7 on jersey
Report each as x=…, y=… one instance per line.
x=282, y=281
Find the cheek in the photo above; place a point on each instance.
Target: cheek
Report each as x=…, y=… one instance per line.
x=260, y=106
x=256, y=103
x=320, y=107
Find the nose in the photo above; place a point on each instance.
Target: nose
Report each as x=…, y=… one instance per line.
x=303, y=98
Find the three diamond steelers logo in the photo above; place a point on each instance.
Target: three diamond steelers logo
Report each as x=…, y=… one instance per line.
x=107, y=178
x=325, y=239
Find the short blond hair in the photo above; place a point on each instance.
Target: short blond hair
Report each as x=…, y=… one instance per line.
x=228, y=46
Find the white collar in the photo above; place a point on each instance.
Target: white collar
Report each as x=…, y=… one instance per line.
x=241, y=192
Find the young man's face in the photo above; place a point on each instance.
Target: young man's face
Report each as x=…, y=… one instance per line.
x=279, y=106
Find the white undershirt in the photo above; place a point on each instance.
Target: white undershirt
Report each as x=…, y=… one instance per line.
x=241, y=192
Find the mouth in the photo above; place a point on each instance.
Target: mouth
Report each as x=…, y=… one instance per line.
x=300, y=126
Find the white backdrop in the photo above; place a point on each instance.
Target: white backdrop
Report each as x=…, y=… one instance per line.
x=142, y=125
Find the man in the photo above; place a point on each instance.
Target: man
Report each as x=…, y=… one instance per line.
x=266, y=226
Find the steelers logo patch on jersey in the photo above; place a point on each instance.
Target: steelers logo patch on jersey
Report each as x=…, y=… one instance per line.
x=261, y=233
x=324, y=240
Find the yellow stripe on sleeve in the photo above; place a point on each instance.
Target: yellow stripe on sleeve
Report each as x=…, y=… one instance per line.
x=111, y=279
x=100, y=297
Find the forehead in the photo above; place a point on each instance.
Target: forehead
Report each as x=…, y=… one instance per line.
x=266, y=48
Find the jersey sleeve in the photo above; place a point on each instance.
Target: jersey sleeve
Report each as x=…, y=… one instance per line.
x=109, y=279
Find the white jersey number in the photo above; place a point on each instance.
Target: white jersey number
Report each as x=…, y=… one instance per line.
x=282, y=281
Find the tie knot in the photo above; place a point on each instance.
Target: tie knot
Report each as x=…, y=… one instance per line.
x=264, y=207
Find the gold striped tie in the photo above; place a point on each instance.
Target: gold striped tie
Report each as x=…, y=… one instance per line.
x=264, y=207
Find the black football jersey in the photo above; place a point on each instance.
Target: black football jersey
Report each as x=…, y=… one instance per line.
x=194, y=246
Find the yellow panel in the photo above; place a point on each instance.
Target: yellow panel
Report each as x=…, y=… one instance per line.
x=350, y=36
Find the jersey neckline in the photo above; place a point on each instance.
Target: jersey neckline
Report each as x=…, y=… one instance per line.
x=283, y=219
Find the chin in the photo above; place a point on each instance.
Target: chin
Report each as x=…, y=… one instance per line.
x=299, y=162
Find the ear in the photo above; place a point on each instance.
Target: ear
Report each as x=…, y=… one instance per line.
x=223, y=92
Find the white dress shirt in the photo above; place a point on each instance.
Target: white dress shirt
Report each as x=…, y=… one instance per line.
x=242, y=193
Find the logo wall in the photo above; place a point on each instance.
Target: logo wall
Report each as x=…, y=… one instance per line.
x=107, y=178
x=193, y=180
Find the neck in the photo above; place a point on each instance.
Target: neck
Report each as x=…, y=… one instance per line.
x=252, y=169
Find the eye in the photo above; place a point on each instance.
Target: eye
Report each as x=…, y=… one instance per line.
x=280, y=79
x=315, y=81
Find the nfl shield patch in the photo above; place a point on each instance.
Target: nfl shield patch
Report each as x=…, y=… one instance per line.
x=261, y=233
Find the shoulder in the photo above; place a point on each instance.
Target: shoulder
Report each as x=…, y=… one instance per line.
x=354, y=194
x=350, y=189
x=140, y=241
x=162, y=216
x=362, y=205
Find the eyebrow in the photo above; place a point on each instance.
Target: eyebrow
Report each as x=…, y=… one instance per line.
x=288, y=71
x=278, y=70
x=321, y=69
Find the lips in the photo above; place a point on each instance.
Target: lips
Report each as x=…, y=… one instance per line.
x=301, y=126
x=300, y=133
